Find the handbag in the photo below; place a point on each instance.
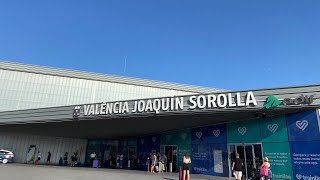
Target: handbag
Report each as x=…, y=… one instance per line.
x=264, y=171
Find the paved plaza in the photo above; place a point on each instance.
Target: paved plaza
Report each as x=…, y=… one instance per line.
x=41, y=172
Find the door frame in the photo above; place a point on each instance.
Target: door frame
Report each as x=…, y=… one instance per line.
x=245, y=163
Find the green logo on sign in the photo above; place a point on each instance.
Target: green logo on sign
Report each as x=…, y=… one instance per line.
x=272, y=102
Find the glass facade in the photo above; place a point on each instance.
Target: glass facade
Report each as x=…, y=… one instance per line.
x=22, y=90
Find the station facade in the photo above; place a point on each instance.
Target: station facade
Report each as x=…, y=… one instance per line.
x=61, y=111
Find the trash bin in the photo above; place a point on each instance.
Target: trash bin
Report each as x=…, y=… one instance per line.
x=170, y=167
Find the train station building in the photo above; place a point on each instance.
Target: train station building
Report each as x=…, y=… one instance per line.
x=59, y=110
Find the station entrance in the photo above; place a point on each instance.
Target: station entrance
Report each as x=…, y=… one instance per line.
x=171, y=152
x=251, y=155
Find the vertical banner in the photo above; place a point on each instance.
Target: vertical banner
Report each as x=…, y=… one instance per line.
x=274, y=129
x=244, y=131
x=181, y=150
x=200, y=158
x=218, y=160
x=279, y=159
x=306, y=160
x=217, y=134
x=303, y=126
x=199, y=135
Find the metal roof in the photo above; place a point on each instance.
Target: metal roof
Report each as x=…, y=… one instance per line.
x=13, y=66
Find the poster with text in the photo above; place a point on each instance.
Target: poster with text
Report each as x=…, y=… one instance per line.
x=279, y=159
x=306, y=160
x=200, y=158
x=303, y=126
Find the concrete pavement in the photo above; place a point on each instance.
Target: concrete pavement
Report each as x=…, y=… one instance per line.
x=41, y=172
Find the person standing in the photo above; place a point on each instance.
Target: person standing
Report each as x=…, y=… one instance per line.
x=38, y=158
x=237, y=167
x=65, y=158
x=186, y=163
x=265, y=171
x=92, y=156
x=49, y=157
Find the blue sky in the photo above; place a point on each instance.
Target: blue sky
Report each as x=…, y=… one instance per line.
x=225, y=44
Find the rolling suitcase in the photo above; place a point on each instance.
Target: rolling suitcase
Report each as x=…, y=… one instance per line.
x=95, y=163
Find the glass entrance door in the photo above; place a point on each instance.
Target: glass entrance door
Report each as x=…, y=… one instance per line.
x=251, y=154
x=171, y=153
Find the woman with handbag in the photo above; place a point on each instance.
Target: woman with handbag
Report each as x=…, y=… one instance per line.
x=265, y=169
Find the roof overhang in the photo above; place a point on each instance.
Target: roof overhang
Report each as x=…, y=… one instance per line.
x=60, y=121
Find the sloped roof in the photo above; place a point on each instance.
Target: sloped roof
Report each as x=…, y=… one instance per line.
x=13, y=66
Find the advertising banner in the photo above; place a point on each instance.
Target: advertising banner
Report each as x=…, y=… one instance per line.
x=303, y=126
x=218, y=160
x=184, y=136
x=274, y=129
x=199, y=135
x=244, y=131
x=217, y=134
x=200, y=158
x=306, y=160
x=170, y=138
x=279, y=159
x=31, y=153
x=181, y=150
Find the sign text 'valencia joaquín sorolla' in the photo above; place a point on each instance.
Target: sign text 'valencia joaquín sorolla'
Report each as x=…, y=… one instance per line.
x=172, y=104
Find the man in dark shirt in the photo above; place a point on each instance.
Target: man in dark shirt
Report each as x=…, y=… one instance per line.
x=237, y=167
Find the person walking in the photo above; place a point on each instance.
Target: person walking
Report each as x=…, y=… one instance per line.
x=265, y=171
x=153, y=162
x=49, y=157
x=186, y=163
x=237, y=167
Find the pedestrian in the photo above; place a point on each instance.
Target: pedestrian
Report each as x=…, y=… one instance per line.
x=65, y=158
x=92, y=156
x=72, y=159
x=165, y=160
x=186, y=163
x=161, y=163
x=38, y=158
x=265, y=171
x=148, y=162
x=153, y=162
x=49, y=157
x=237, y=167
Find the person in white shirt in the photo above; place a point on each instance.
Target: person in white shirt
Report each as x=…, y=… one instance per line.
x=92, y=156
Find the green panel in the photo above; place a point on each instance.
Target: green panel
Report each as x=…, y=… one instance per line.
x=181, y=150
x=170, y=138
x=184, y=137
x=132, y=142
x=279, y=158
x=274, y=129
x=244, y=131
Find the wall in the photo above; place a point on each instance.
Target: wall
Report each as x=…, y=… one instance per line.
x=291, y=142
x=19, y=144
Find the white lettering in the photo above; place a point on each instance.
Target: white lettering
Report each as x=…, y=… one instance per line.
x=223, y=102
x=193, y=102
x=201, y=101
x=251, y=99
x=179, y=103
x=230, y=99
x=212, y=101
x=103, y=108
x=239, y=103
x=156, y=105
